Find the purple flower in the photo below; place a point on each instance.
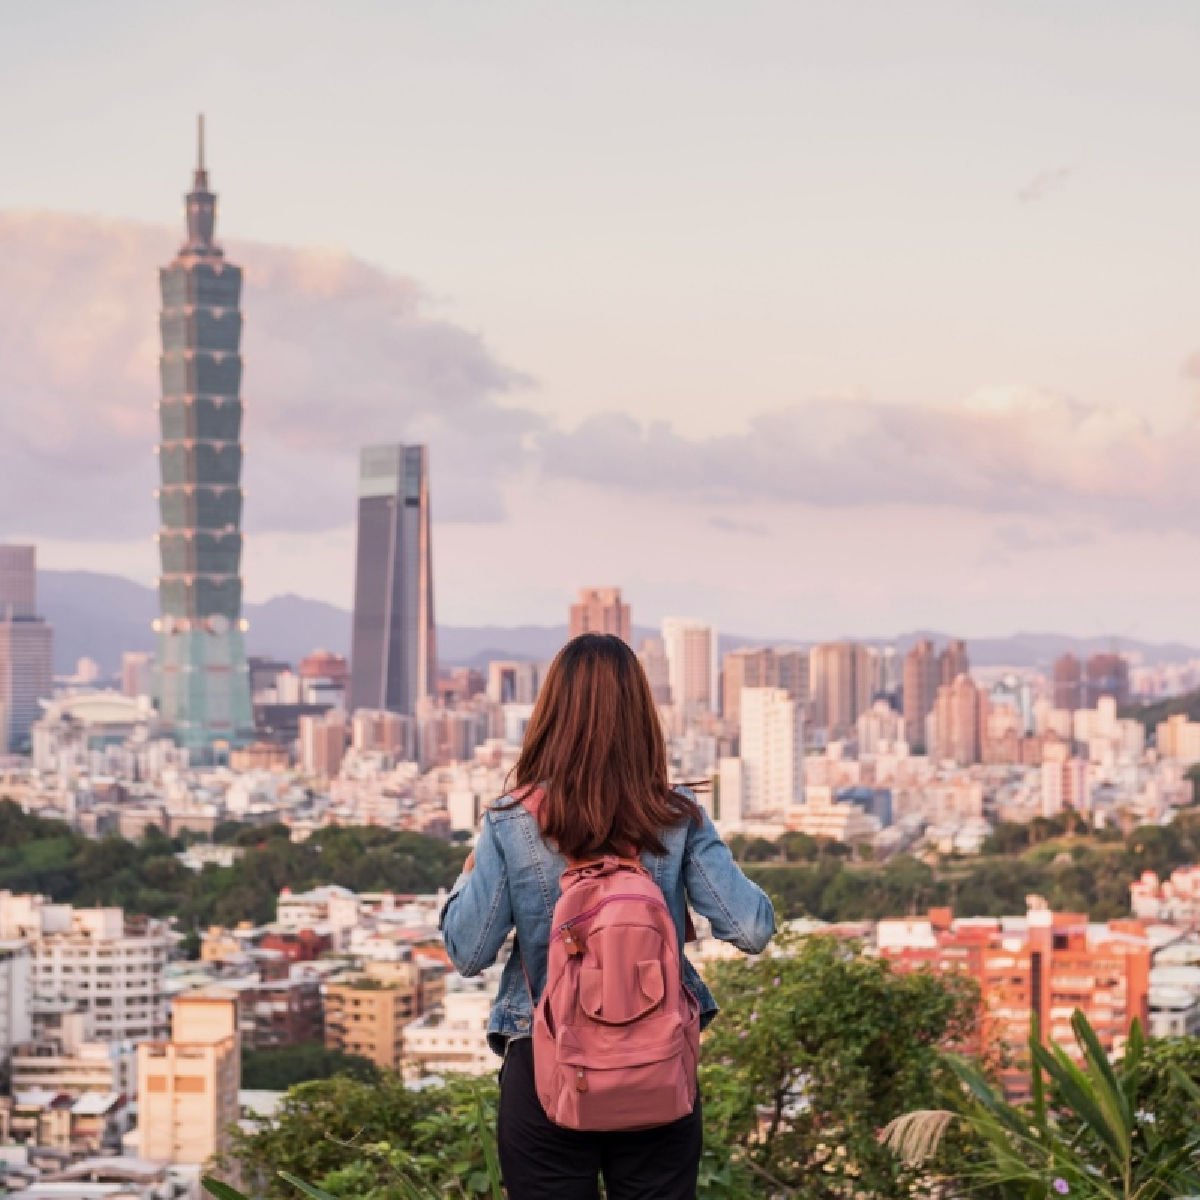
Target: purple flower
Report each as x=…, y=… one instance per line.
x=1061, y=1187
x=777, y=981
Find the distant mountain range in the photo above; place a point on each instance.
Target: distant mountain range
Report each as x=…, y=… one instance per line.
x=100, y=616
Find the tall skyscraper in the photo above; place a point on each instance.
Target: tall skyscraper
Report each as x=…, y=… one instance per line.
x=26, y=648
x=1068, y=682
x=922, y=676
x=691, y=648
x=204, y=686
x=953, y=662
x=393, y=654
x=959, y=722
x=841, y=686
x=1107, y=675
x=600, y=610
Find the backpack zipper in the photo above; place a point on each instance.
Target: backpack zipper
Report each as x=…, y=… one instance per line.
x=591, y=912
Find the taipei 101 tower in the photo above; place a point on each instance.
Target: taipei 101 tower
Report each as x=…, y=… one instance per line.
x=204, y=686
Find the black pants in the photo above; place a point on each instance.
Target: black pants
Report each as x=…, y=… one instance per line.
x=543, y=1161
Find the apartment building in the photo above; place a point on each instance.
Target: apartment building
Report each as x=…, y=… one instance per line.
x=1045, y=964
x=188, y=1084
x=16, y=995
x=366, y=1014
x=96, y=960
x=452, y=1038
x=70, y=1063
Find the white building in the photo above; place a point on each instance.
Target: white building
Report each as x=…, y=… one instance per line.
x=692, y=667
x=452, y=1038
x=70, y=1063
x=821, y=816
x=880, y=729
x=96, y=961
x=772, y=751
x=16, y=995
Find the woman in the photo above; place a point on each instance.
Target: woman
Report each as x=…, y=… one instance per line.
x=594, y=751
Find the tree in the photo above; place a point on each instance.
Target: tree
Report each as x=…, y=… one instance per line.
x=1093, y=1131
x=817, y=1049
x=279, y=1069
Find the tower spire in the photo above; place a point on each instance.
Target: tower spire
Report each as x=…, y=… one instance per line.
x=201, y=203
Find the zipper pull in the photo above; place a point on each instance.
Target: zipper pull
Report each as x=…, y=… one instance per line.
x=580, y=1080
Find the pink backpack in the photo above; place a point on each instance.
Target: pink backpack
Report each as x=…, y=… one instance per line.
x=616, y=1035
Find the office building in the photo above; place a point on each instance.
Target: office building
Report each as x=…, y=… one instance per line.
x=188, y=1085
x=1106, y=675
x=18, y=581
x=204, y=685
x=691, y=650
x=601, y=610
x=393, y=655
x=26, y=649
x=922, y=677
x=842, y=674
x=772, y=751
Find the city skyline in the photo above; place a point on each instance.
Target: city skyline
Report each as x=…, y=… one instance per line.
x=971, y=407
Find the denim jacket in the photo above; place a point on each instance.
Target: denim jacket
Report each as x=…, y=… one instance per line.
x=514, y=885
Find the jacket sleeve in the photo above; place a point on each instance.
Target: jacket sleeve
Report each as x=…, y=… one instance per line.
x=478, y=915
x=738, y=910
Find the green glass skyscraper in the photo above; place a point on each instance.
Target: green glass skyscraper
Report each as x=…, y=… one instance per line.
x=204, y=686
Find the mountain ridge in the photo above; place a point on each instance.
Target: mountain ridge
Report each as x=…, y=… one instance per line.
x=99, y=616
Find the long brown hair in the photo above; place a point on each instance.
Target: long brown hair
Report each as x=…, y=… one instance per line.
x=595, y=746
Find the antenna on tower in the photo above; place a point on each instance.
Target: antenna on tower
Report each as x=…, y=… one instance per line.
x=200, y=142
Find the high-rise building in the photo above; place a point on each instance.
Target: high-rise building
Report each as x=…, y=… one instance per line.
x=922, y=675
x=1068, y=683
x=763, y=667
x=772, y=751
x=691, y=648
x=841, y=686
x=953, y=662
x=653, y=657
x=1107, y=675
x=600, y=610
x=26, y=648
x=748, y=667
x=393, y=654
x=204, y=686
x=513, y=682
x=959, y=721
x=18, y=580
x=188, y=1086
x=137, y=673
x=322, y=744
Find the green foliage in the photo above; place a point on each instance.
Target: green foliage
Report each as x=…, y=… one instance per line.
x=814, y=1052
x=37, y=855
x=376, y=1141
x=1075, y=868
x=1093, y=1131
x=278, y=1070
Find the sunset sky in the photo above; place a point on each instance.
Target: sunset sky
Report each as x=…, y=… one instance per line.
x=808, y=319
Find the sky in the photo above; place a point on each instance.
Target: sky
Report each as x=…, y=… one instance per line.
x=812, y=320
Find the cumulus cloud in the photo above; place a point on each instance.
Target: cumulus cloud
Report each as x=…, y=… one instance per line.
x=338, y=354
x=1004, y=450
x=1043, y=183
